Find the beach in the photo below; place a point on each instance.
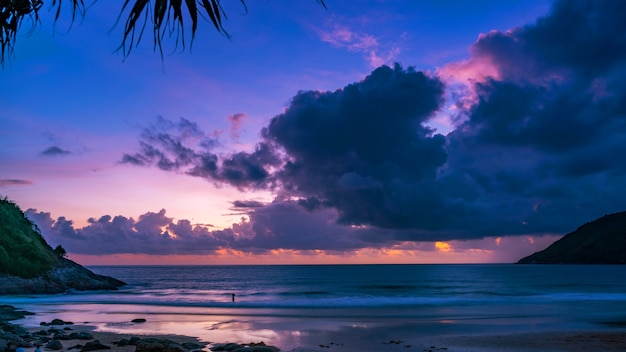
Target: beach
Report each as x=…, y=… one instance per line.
x=352, y=308
x=378, y=339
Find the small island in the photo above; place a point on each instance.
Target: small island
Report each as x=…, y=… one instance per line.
x=602, y=241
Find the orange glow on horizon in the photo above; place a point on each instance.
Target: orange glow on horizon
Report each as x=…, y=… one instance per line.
x=487, y=250
x=443, y=246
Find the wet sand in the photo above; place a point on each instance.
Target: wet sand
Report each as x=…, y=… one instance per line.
x=575, y=341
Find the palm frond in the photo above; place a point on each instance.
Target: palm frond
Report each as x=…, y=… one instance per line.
x=167, y=17
x=12, y=14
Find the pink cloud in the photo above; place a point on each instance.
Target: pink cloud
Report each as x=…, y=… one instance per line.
x=470, y=71
x=14, y=182
x=236, y=120
x=376, y=54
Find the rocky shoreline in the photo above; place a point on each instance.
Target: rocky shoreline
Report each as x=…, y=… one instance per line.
x=59, y=335
x=67, y=275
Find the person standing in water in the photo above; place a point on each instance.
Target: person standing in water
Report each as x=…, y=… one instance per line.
x=233, y=297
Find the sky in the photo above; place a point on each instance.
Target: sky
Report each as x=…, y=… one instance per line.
x=364, y=132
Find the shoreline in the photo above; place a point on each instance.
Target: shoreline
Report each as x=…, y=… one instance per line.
x=366, y=338
x=574, y=341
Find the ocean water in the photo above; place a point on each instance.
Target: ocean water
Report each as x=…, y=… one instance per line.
x=286, y=304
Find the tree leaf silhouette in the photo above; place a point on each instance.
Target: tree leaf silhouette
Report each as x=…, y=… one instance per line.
x=166, y=16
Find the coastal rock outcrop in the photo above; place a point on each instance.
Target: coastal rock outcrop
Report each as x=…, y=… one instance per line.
x=28, y=265
x=602, y=241
x=66, y=275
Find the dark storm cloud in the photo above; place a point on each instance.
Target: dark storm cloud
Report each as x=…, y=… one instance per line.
x=55, y=151
x=247, y=204
x=14, y=182
x=543, y=147
x=538, y=148
x=183, y=147
x=364, y=148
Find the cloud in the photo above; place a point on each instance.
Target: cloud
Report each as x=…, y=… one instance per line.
x=183, y=147
x=541, y=143
x=537, y=146
x=236, y=120
x=342, y=36
x=14, y=182
x=55, y=151
x=284, y=225
x=363, y=149
x=247, y=204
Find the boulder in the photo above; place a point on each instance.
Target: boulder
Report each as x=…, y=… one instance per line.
x=54, y=345
x=138, y=320
x=121, y=343
x=60, y=336
x=158, y=345
x=134, y=341
x=94, y=345
x=80, y=336
x=227, y=347
x=192, y=346
x=60, y=322
x=251, y=347
x=8, y=313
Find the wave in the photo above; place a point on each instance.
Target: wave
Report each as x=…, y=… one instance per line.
x=307, y=299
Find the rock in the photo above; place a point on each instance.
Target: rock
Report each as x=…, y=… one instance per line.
x=60, y=322
x=60, y=336
x=257, y=349
x=80, y=336
x=192, y=346
x=43, y=339
x=67, y=275
x=8, y=313
x=54, y=345
x=134, y=341
x=158, y=345
x=121, y=343
x=227, y=347
x=139, y=320
x=94, y=345
x=251, y=347
x=42, y=333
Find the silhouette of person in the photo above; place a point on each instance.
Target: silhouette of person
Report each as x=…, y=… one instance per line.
x=233, y=297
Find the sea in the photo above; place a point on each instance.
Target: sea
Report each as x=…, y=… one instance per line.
x=292, y=305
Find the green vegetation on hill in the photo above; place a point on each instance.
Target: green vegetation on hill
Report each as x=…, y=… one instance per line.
x=23, y=251
x=602, y=241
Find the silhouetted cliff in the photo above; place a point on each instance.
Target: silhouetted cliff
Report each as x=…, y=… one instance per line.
x=602, y=241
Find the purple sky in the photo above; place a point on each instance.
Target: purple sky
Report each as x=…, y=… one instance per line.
x=396, y=131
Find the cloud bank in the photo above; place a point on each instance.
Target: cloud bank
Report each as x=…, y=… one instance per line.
x=537, y=148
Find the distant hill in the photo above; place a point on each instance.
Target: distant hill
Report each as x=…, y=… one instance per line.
x=29, y=265
x=602, y=241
